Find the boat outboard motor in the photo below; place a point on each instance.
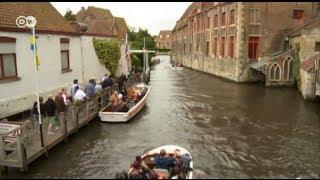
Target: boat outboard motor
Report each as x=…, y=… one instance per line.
x=186, y=159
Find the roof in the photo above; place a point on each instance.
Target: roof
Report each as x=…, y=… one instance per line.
x=259, y=66
x=122, y=26
x=48, y=18
x=101, y=21
x=100, y=26
x=97, y=13
x=309, y=64
x=165, y=32
x=308, y=25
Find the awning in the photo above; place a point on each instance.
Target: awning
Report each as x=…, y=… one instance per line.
x=259, y=66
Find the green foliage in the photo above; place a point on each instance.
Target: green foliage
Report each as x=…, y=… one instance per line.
x=108, y=53
x=69, y=15
x=136, y=42
x=136, y=39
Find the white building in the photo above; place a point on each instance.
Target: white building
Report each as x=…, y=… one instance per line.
x=64, y=55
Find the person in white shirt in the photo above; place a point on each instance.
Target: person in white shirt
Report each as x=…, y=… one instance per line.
x=79, y=95
x=74, y=87
x=104, y=77
x=98, y=87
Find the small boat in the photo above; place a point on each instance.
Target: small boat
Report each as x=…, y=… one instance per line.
x=147, y=158
x=108, y=116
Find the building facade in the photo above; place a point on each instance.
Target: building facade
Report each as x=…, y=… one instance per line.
x=227, y=38
x=164, y=39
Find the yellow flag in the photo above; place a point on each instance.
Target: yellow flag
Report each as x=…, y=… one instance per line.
x=37, y=61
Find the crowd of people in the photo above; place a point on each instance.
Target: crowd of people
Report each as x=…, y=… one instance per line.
x=166, y=166
x=54, y=106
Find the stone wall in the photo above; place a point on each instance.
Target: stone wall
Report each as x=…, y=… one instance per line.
x=307, y=84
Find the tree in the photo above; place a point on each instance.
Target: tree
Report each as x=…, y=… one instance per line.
x=70, y=16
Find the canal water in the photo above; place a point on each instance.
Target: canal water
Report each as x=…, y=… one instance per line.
x=232, y=131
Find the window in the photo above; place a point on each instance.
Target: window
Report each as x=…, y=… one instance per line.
x=168, y=36
x=216, y=20
x=298, y=16
x=232, y=17
x=208, y=23
x=64, y=50
x=207, y=48
x=254, y=15
x=223, y=19
x=8, y=66
x=231, y=47
x=215, y=45
x=160, y=36
x=317, y=47
x=253, y=47
x=222, y=47
x=274, y=73
x=287, y=68
x=8, y=63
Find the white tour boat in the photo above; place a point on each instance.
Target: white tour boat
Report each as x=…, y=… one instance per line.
x=108, y=116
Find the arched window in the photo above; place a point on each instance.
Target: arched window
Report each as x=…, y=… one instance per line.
x=275, y=72
x=287, y=68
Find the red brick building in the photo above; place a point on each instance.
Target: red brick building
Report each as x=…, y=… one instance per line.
x=164, y=39
x=231, y=39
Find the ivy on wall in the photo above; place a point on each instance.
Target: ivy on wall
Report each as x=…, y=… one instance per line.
x=108, y=52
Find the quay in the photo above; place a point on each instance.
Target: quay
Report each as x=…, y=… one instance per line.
x=24, y=144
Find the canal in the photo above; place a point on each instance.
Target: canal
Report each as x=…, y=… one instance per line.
x=232, y=131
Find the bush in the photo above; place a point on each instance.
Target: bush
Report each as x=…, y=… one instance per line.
x=108, y=53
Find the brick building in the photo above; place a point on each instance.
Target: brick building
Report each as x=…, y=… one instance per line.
x=164, y=39
x=235, y=40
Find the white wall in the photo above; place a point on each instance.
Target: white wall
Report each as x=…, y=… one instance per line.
x=92, y=66
x=18, y=96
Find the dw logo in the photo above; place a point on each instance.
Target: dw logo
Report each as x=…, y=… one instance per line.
x=29, y=21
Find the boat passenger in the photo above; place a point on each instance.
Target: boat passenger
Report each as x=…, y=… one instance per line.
x=163, y=164
x=114, y=101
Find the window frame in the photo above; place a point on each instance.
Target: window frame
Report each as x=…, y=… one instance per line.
x=273, y=71
x=253, y=40
x=222, y=46
x=232, y=17
x=68, y=55
x=3, y=77
x=231, y=47
x=317, y=45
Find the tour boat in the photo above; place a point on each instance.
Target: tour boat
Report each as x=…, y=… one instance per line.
x=106, y=115
x=148, y=156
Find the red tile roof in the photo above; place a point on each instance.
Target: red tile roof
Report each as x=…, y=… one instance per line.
x=101, y=21
x=309, y=64
x=48, y=18
x=97, y=13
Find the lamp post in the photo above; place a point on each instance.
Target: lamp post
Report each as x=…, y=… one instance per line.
x=31, y=22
